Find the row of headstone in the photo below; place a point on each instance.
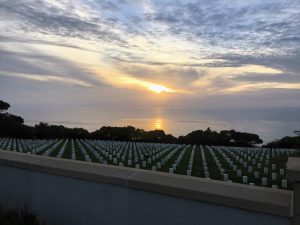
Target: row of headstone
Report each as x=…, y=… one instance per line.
x=249, y=168
x=244, y=163
x=191, y=161
x=62, y=150
x=49, y=151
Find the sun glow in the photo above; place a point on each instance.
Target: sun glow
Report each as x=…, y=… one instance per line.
x=159, y=88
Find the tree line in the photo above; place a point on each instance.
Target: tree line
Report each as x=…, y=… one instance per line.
x=13, y=126
x=286, y=142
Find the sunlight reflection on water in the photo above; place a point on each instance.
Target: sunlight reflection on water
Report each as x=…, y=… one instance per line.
x=268, y=130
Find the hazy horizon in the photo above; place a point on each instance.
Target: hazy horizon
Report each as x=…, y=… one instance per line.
x=172, y=65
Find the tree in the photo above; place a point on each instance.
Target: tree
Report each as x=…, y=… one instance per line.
x=4, y=106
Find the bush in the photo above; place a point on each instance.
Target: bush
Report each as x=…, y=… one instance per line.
x=18, y=216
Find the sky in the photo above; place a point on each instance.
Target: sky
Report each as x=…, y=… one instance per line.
x=154, y=64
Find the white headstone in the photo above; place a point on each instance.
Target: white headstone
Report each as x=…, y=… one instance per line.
x=281, y=171
x=222, y=171
x=264, y=181
x=234, y=167
x=174, y=166
x=249, y=169
x=245, y=180
x=206, y=174
x=158, y=165
x=225, y=177
x=274, y=176
x=284, y=184
x=115, y=161
x=258, y=165
x=129, y=162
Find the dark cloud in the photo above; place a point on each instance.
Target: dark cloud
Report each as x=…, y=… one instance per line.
x=242, y=25
x=261, y=78
x=42, y=17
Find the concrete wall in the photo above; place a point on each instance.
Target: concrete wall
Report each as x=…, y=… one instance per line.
x=293, y=173
x=62, y=200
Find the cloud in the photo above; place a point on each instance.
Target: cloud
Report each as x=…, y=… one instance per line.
x=33, y=65
x=217, y=51
x=49, y=78
x=49, y=18
x=273, y=78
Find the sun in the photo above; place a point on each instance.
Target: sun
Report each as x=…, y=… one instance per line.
x=159, y=88
x=158, y=124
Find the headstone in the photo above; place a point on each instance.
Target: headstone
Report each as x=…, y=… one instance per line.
x=249, y=169
x=206, y=174
x=274, y=176
x=284, y=184
x=234, y=168
x=225, y=177
x=281, y=171
x=222, y=171
x=267, y=162
x=129, y=162
x=115, y=161
x=245, y=180
x=266, y=170
x=158, y=165
x=258, y=165
x=264, y=181
x=174, y=166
